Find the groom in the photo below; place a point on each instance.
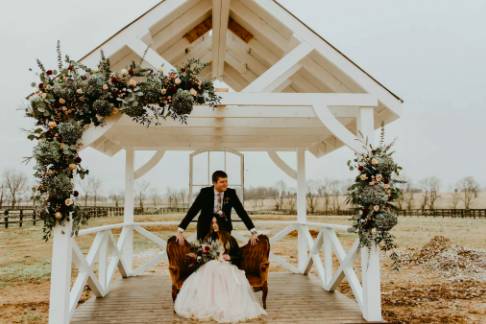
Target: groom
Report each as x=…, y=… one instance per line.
x=217, y=199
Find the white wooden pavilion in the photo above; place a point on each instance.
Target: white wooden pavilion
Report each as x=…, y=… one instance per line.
x=290, y=90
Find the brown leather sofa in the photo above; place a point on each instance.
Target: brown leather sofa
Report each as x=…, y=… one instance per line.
x=255, y=263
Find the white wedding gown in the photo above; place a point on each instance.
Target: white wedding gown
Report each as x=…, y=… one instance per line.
x=218, y=291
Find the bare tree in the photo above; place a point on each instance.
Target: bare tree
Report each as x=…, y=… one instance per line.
x=183, y=196
x=325, y=194
x=2, y=193
x=312, y=195
x=281, y=187
x=154, y=196
x=15, y=183
x=116, y=197
x=431, y=188
x=94, y=187
x=455, y=197
x=291, y=200
x=336, y=190
x=142, y=187
x=311, y=202
x=470, y=189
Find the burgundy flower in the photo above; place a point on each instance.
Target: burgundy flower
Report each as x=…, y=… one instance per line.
x=77, y=159
x=360, y=168
x=75, y=193
x=49, y=72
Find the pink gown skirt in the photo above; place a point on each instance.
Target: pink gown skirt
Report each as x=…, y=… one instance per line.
x=218, y=291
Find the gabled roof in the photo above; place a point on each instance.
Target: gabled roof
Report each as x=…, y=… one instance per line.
x=252, y=46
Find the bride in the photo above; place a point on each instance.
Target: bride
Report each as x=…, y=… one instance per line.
x=218, y=290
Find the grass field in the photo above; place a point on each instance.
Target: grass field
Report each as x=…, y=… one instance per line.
x=442, y=279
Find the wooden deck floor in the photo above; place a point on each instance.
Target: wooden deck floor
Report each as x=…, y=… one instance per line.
x=292, y=298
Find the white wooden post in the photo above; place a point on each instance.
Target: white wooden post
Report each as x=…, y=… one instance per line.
x=60, y=274
x=128, y=208
x=370, y=275
x=301, y=209
x=370, y=261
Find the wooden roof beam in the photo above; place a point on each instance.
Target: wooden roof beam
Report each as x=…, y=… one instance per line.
x=175, y=30
x=220, y=19
x=280, y=71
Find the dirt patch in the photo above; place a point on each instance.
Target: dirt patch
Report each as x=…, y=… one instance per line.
x=450, y=261
x=440, y=282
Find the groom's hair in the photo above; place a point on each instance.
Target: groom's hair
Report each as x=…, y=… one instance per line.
x=218, y=174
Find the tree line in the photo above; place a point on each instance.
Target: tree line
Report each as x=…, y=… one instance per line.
x=322, y=194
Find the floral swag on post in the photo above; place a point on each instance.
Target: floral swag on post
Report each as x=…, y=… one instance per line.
x=65, y=102
x=374, y=192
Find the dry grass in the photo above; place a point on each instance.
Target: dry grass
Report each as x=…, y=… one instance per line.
x=418, y=293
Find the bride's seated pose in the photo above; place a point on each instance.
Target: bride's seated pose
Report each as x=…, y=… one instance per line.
x=218, y=290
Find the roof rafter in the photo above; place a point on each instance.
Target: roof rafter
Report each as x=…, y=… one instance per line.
x=220, y=18
x=280, y=71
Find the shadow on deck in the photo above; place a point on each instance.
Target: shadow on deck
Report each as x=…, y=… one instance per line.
x=292, y=298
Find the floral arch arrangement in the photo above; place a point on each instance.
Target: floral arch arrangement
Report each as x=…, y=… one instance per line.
x=67, y=100
x=373, y=193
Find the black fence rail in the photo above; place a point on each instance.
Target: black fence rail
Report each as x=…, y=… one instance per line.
x=459, y=213
x=21, y=216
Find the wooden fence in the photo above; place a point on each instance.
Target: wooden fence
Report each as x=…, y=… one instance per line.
x=459, y=213
x=20, y=216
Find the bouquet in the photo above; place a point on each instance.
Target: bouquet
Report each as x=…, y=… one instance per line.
x=205, y=251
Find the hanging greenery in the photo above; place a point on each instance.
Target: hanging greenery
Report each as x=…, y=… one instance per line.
x=373, y=193
x=68, y=100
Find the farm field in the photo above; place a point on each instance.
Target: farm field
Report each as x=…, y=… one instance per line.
x=442, y=278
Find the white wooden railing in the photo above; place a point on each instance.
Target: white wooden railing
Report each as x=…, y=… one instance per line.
x=108, y=253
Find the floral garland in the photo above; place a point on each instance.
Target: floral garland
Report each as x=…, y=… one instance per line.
x=65, y=102
x=373, y=192
x=204, y=251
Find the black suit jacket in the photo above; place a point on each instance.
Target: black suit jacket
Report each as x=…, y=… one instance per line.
x=204, y=202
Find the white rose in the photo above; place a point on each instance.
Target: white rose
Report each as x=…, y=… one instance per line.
x=374, y=161
x=363, y=177
x=193, y=92
x=177, y=81
x=124, y=72
x=376, y=207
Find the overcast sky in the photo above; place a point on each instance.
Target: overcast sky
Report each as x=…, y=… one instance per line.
x=431, y=53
